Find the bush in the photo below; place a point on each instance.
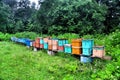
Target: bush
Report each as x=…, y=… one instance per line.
x=30, y=35
x=68, y=36
x=5, y=37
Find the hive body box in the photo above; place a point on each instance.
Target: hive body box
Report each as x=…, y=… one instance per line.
x=67, y=48
x=45, y=45
x=87, y=47
x=87, y=43
x=41, y=41
x=61, y=43
x=76, y=46
x=55, y=45
x=50, y=44
x=98, y=51
x=85, y=59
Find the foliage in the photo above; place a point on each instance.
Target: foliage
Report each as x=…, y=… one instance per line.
x=30, y=35
x=38, y=65
x=5, y=36
x=71, y=16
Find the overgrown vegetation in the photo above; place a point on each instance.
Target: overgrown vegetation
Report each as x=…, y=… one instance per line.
x=18, y=60
x=87, y=19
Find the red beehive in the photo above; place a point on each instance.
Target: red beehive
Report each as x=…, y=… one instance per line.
x=37, y=40
x=60, y=48
x=37, y=45
x=41, y=45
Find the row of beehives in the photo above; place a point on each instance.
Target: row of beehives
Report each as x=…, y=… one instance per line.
x=82, y=47
x=85, y=48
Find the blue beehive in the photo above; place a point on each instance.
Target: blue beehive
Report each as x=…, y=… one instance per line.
x=27, y=42
x=85, y=59
x=67, y=48
x=41, y=41
x=87, y=43
x=45, y=45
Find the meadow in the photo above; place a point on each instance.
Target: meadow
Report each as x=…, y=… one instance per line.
x=17, y=62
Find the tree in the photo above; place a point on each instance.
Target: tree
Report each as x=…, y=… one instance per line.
x=71, y=16
x=4, y=17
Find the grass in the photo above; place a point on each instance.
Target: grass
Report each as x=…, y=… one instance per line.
x=17, y=62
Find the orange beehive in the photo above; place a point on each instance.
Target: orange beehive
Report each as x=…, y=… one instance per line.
x=76, y=46
x=76, y=50
x=49, y=47
x=77, y=42
x=49, y=42
x=37, y=40
x=37, y=45
x=98, y=51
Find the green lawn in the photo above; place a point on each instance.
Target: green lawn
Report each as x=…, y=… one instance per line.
x=19, y=63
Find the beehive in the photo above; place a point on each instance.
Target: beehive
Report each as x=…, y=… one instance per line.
x=33, y=44
x=76, y=46
x=88, y=43
x=45, y=45
x=37, y=40
x=49, y=47
x=61, y=48
x=55, y=45
x=27, y=42
x=98, y=51
x=41, y=41
x=46, y=39
x=86, y=59
x=76, y=50
x=37, y=45
x=61, y=42
x=50, y=42
x=77, y=42
x=41, y=46
x=67, y=48
x=87, y=51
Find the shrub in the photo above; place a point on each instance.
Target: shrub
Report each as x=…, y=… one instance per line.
x=30, y=35
x=5, y=37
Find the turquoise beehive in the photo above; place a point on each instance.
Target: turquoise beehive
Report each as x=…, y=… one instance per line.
x=87, y=51
x=45, y=45
x=87, y=43
x=87, y=47
x=41, y=41
x=61, y=42
x=67, y=48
